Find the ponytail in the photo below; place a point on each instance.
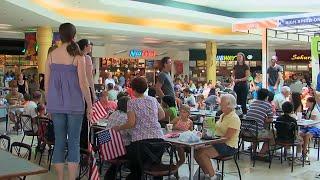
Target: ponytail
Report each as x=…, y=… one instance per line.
x=73, y=49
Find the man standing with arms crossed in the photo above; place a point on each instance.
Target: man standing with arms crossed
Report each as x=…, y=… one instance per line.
x=164, y=85
x=274, y=75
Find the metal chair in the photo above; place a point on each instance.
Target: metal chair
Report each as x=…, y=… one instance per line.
x=158, y=169
x=45, y=138
x=21, y=150
x=5, y=142
x=247, y=135
x=28, y=127
x=283, y=142
x=227, y=158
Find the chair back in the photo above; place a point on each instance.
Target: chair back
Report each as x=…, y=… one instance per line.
x=45, y=131
x=21, y=150
x=156, y=158
x=282, y=131
x=26, y=123
x=5, y=142
x=248, y=129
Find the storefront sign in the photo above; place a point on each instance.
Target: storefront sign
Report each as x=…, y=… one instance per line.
x=294, y=55
x=227, y=54
x=137, y=53
x=299, y=21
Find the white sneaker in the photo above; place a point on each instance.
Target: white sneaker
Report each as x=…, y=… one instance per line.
x=215, y=177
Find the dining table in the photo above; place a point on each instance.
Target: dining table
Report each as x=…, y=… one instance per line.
x=192, y=146
x=13, y=166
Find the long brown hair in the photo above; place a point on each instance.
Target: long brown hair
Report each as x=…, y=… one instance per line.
x=67, y=33
x=243, y=58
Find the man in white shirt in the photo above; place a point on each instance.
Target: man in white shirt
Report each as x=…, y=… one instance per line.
x=282, y=97
x=31, y=108
x=189, y=99
x=109, y=80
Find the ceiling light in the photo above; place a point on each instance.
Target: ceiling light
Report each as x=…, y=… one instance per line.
x=5, y=25
x=11, y=32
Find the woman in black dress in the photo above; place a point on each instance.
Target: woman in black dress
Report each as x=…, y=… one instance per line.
x=240, y=75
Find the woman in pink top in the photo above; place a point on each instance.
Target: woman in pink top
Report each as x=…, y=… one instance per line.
x=144, y=113
x=86, y=46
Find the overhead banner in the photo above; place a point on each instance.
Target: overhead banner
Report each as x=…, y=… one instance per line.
x=299, y=21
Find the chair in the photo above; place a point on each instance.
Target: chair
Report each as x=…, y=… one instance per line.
x=29, y=127
x=8, y=121
x=317, y=141
x=247, y=135
x=227, y=158
x=158, y=169
x=5, y=142
x=21, y=150
x=45, y=139
x=276, y=126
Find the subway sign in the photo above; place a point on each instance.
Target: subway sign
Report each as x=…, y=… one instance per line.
x=138, y=53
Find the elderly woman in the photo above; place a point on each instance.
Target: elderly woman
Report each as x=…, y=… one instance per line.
x=227, y=127
x=144, y=113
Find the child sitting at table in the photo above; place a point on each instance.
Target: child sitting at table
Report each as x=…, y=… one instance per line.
x=201, y=105
x=313, y=113
x=182, y=123
x=285, y=133
x=169, y=106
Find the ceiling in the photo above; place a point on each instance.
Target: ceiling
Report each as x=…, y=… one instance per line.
x=259, y=5
x=139, y=23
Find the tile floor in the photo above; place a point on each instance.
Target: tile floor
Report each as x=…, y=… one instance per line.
x=260, y=171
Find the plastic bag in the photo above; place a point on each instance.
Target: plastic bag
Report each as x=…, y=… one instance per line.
x=189, y=136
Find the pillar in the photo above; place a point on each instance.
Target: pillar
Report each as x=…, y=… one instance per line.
x=315, y=42
x=96, y=67
x=264, y=56
x=44, y=39
x=211, y=52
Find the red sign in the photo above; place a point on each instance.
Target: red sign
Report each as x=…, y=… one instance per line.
x=137, y=53
x=294, y=55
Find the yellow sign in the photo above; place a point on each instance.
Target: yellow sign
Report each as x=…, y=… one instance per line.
x=300, y=57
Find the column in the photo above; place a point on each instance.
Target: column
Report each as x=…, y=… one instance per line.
x=264, y=56
x=211, y=51
x=315, y=42
x=44, y=39
x=96, y=67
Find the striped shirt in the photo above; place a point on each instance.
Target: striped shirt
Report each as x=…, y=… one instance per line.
x=259, y=111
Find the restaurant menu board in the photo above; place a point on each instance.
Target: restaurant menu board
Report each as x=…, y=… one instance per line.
x=122, y=62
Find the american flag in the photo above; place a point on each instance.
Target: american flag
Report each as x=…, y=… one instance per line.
x=94, y=172
x=98, y=112
x=110, y=144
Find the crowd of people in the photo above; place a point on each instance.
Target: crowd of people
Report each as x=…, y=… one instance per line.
x=139, y=109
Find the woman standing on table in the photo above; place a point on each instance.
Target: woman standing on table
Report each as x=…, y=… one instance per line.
x=66, y=85
x=144, y=113
x=86, y=47
x=240, y=75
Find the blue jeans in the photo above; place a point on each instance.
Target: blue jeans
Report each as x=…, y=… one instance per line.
x=67, y=129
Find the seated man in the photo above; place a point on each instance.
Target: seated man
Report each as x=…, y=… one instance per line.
x=189, y=99
x=14, y=98
x=261, y=112
x=282, y=97
x=31, y=108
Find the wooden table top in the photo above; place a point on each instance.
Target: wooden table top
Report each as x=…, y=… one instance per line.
x=14, y=166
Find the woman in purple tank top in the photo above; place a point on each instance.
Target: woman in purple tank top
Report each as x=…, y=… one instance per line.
x=66, y=89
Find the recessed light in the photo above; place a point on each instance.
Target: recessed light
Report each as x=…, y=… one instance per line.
x=11, y=32
x=5, y=25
